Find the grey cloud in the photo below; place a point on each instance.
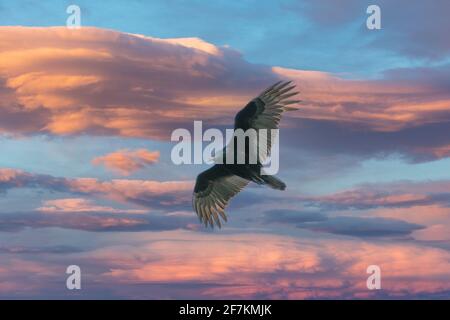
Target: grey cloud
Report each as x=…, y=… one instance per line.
x=93, y=221
x=342, y=225
x=412, y=28
x=293, y=216
x=363, y=227
x=39, y=250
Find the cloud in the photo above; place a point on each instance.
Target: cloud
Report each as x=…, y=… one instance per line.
x=434, y=216
x=343, y=225
x=82, y=206
x=388, y=195
x=126, y=161
x=403, y=98
x=397, y=33
x=15, y=274
x=364, y=227
x=148, y=193
x=242, y=266
x=83, y=214
x=413, y=40
x=418, y=209
x=169, y=264
x=365, y=199
x=105, y=82
x=437, y=232
x=16, y=250
x=292, y=216
x=102, y=82
x=95, y=221
x=404, y=113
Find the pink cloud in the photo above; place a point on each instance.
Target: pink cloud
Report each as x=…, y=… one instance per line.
x=244, y=265
x=81, y=205
x=126, y=162
x=393, y=194
x=141, y=192
x=20, y=276
x=436, y=232
x=239, y=266
x=383, y=105
x=363, y=198
x=106, y=82
x=102, y=81
x=422, y=203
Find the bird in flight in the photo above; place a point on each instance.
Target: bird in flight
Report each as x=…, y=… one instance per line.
x=215, y=186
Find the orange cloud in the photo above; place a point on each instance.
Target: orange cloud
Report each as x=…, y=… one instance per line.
x=7, y=175
x=382, y=105
x=435, y=217
x=362, y=198
x=127, y=161
x=239, y=266
x=245, y=265
x=436, y=151
x=81, y=205
x=92, y=81
x=101, y=81
x=14, y=280
x=106, y=82
x=141, y=192
x=437, y=232
x=422, y=203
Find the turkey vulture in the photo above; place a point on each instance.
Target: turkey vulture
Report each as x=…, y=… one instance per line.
x=217, y=185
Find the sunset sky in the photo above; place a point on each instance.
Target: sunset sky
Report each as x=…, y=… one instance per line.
x=86, y=176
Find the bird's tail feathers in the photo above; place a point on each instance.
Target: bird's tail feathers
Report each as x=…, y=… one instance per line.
x=274, y=182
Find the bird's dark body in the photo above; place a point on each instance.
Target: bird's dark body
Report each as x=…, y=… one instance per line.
x=243, y=121
x=217, y=185
x=248, y=172
x=243, y=117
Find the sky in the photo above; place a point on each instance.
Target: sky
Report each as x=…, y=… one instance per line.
x=87, y=179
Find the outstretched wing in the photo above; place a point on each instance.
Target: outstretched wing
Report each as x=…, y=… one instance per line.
x=265, y=111
x=213, y=190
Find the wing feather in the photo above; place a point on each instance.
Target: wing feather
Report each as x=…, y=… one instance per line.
x=212, y=193
x=265, y=112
